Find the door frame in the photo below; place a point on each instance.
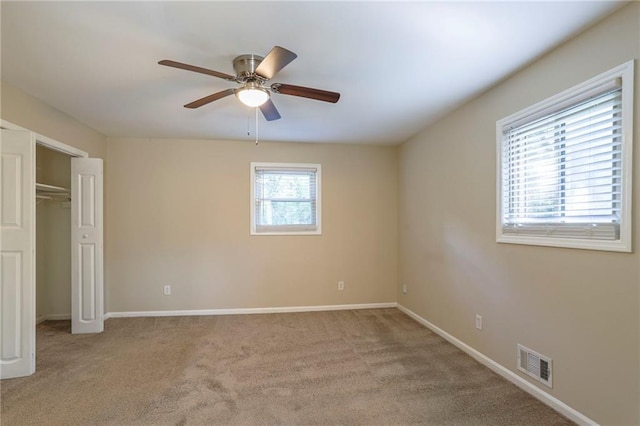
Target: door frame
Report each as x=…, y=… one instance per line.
x=47, y=142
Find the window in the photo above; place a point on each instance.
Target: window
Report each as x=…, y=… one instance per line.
x=564, y=167
x=285, y=199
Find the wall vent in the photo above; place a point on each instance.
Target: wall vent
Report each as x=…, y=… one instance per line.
x=535, y=365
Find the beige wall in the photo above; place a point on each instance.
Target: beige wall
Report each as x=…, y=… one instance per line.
x=24, y=110
x=53, y=238
x=579, y=307
x=178, y=214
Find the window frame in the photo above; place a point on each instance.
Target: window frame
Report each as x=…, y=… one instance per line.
x=286, y=167
x=557, y=103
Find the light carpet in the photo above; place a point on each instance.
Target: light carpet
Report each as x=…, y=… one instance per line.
x=359, y=367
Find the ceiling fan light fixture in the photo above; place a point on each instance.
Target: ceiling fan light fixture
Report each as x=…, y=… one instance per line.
x=252, y=96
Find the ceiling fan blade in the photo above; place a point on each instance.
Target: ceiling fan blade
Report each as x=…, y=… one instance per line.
x=276, y=59
x=193, y=68
x=269, y=111
x=306, y=92
x=210, y=98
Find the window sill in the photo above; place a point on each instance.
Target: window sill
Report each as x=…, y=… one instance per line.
x=287, y=233
x=574, y=243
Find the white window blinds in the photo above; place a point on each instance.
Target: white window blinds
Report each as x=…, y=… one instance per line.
x=285, y=199
x=564, y=167
x=562, y=172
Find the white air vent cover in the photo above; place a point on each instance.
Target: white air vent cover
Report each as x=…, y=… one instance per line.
x=535, y=365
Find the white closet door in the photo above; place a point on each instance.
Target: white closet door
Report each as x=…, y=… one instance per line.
x=87, y=306
x=17, y=258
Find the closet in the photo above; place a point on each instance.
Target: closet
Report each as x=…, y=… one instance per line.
x=53, y=234
x=51, y=256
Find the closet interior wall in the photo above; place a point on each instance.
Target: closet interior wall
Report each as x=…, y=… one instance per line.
x=53, y=239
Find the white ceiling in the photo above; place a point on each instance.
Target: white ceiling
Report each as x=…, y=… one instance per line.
x=398, y=65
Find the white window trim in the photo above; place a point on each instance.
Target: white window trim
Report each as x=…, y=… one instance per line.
x=625, y=72
x=318, y=167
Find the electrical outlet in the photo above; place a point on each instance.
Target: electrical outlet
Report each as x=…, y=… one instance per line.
x=404, y=288
x=166, y=290
x=479, y=322
x=340, y=285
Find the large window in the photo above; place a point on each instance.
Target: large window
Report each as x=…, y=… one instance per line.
x=285, y=198
x=564, y=169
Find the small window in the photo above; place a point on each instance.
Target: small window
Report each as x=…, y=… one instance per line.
x=285, y=199
x=564, y=169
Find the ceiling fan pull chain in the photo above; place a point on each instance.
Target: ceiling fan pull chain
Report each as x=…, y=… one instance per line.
x=256, y=108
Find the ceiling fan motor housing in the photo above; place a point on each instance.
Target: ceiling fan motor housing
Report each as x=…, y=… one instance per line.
x=245, y=66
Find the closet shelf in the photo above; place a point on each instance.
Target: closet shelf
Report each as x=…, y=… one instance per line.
x=41, y=187
x=50, y=192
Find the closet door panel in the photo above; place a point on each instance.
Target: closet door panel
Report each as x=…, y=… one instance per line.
x=87, y=306
x=12, y=183
x=17, y=258
x=87, y=213
x=88, y=282
x=11, y=264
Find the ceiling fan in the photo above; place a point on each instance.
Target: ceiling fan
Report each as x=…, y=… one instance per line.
x=253, y=72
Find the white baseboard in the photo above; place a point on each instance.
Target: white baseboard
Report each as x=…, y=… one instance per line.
x=538, y=393
x=56, y=317
x=53, y=317
x=244, y=311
